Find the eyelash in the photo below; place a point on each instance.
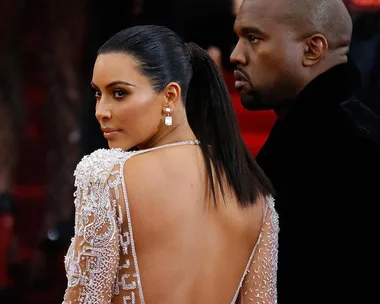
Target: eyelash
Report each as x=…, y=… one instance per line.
x=119, y=91
x=98, y=94
x=252, y=38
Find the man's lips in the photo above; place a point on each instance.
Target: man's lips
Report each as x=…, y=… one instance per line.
x=240, y=80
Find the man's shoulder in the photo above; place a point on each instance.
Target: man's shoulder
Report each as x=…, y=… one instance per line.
x=364, y=123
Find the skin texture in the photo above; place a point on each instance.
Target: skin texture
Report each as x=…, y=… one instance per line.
x=283, y=45
x=127, y=103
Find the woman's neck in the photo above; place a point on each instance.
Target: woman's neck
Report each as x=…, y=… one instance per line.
x=178, y=133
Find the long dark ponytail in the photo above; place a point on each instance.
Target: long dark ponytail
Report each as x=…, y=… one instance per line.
x=213, y=120
x=164, y=57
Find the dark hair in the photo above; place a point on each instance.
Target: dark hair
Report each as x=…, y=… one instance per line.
x=164, y=57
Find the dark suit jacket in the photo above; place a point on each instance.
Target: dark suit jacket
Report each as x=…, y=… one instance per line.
x=324, y=161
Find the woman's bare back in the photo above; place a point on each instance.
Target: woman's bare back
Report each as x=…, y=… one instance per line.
x=148, y=232
x=189, y=249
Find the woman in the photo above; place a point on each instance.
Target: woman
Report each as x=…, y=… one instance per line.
x=187, y=218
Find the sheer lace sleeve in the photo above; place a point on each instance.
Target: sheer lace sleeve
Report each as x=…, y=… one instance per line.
x=259, y=285
x=93, y=257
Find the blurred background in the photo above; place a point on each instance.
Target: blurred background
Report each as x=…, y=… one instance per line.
x=47, y=123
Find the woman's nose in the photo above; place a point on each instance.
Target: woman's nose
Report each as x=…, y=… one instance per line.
x=102, y=111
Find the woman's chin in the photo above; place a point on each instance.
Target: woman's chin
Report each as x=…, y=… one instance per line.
x=115, y=145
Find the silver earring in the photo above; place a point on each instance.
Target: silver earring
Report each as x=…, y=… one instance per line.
x=168, y=118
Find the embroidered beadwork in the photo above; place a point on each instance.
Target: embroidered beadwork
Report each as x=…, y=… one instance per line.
x=259, y=283
x=101, y=261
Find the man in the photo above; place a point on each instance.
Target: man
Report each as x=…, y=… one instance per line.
x=323, y=154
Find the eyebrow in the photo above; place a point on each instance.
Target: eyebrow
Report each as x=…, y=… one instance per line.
x=252, y=30
x=113, y=83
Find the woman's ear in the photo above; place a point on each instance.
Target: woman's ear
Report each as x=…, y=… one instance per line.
x=172, y=95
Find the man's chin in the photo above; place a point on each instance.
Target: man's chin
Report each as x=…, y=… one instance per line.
x=253, y=102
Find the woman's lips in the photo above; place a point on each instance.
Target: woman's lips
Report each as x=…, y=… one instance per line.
x=110, y=133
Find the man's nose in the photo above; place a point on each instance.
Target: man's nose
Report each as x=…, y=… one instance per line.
x=238, y=57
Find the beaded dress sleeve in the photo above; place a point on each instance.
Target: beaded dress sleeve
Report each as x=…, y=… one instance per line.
x=259, y=282
x=101, y=262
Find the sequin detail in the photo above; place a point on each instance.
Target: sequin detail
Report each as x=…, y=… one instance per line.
x=259, y=283
x=101, y=262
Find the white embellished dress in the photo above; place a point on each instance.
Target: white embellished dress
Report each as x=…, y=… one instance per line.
x=102, y=263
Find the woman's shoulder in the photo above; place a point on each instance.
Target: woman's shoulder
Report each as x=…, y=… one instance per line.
x=159, y=166
x=97, y=166
x=158, y=175
x=146, y=169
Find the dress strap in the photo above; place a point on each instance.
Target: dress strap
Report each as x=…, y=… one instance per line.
x=179, y=143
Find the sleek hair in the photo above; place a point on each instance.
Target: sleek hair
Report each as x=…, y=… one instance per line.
x=164, y=57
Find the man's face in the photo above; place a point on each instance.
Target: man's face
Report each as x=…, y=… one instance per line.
x=268, y=57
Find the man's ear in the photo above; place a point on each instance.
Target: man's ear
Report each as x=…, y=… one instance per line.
x=315, y=48
x=172, y=95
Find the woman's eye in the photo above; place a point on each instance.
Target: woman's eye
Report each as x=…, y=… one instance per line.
x=97, y=94
x=118, y=94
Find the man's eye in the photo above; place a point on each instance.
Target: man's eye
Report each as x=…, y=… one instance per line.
x=252, y=38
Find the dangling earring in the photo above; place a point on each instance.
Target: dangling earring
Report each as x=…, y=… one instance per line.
x=168, y=118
